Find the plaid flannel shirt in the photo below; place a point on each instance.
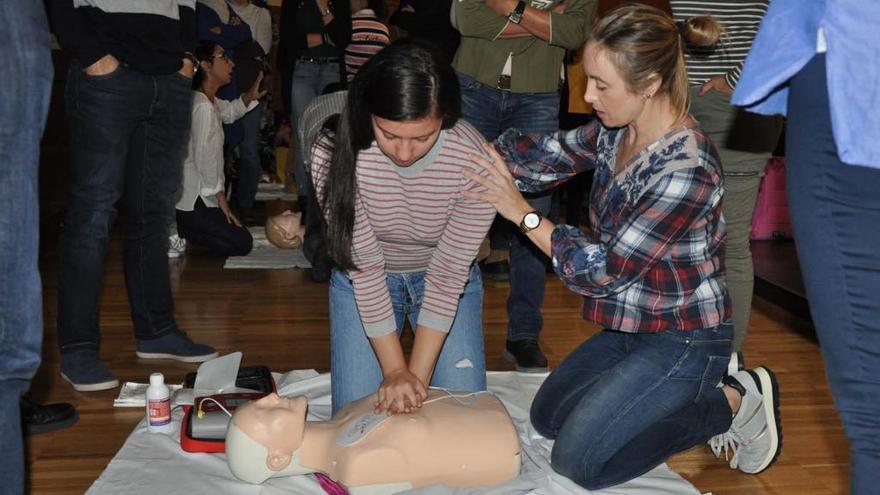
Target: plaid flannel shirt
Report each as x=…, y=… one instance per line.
x=653, y=258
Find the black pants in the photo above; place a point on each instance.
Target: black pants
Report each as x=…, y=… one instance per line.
x=207, y=229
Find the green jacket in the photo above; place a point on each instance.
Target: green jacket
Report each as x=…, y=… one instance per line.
x=536, y=63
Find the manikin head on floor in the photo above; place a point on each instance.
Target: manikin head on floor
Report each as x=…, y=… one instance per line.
x=457, y=440
x=285, y=230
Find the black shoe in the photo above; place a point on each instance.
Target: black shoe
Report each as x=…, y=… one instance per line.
x=497, y=270
x=39, y=418
x=526, y=355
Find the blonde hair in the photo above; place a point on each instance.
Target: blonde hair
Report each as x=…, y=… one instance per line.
x=644, y=43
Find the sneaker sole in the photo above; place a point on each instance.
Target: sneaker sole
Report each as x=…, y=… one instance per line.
x=522, y=369
x=91, y=387
x=183, y=359
x=767, y=379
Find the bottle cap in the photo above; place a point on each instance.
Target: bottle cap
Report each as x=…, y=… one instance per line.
x=157, y=379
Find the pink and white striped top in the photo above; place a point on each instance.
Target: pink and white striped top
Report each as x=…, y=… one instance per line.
x=368, y=37
x=412, y=219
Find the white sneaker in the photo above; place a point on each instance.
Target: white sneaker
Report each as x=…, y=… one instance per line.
x=176, y=246
x=755, y=436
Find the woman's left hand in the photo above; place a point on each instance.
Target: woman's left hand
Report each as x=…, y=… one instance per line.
x=500, y=191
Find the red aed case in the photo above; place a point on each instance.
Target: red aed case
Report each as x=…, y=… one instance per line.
x=207, y=432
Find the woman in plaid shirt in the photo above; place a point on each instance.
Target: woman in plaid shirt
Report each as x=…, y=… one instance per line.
x=650, y=268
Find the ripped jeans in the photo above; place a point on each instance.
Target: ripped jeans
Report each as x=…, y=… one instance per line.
x=354, y=368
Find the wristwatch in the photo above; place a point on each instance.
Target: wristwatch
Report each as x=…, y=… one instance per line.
x=530, y=221
x=516, y=15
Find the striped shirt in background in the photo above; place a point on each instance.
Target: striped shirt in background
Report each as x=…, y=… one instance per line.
x=413, y=219
x=368, y=37
x=741, y=20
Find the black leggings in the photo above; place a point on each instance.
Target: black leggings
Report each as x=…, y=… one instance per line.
x=207, y=229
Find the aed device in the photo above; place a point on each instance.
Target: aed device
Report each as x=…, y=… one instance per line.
x=204, y=424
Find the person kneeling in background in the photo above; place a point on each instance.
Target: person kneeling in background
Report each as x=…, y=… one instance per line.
x=204, y=218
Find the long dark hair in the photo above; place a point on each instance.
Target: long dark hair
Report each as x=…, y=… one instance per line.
x=204, y=53
x=408, y=80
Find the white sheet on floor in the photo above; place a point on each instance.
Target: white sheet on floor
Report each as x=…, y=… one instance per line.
x=265, y=255
x=150, y=463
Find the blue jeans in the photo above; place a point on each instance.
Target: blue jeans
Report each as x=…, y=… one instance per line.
x=493, y=111
x=128, y=133
x=622, y=403
x=249, y=166
x=835, y=212
x=354, y=369
x=24, y=102
x=309, y=80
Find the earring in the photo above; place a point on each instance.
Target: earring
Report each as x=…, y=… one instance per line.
x=647, y=96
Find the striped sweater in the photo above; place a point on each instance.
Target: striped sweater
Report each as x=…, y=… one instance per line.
x=413, y=219
x=741, y=20
x=368, y=37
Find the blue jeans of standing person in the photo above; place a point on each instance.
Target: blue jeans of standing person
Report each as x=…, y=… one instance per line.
x=128, y=134
x=835, y=212
x=24, y=102
x=310, y=77
x=354, y=368
x=249, y=165
x=493, y=111
x=622, y=403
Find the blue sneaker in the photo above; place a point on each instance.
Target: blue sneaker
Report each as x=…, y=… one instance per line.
x=175, y=345
x=86, y=372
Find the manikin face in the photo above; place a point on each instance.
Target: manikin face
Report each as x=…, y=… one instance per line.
x=405, y=142
x=276, y=422
x=614, y=103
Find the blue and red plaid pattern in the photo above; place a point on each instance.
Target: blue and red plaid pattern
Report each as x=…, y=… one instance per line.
x=653, y=258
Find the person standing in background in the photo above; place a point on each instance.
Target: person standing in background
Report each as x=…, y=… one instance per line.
x=248, y=63
x=24, y=103
x=824, y=78
x=509, y=65
x=128, y=103
x=368, y=34
x=314, y=34
x=744, y=140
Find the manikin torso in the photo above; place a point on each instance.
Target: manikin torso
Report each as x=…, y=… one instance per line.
x=462, y=441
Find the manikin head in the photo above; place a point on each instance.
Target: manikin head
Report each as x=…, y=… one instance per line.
x=285, y=231
x=263, y=437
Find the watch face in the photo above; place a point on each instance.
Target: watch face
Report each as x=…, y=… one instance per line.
x=531, y=220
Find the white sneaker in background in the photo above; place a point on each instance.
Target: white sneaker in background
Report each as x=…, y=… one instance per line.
x=176, y=246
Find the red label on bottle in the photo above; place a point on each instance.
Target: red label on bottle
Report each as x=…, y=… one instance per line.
x=160, y=411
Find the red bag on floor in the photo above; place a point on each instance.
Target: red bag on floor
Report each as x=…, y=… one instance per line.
x=771, y=220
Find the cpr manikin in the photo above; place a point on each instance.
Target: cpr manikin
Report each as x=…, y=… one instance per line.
x=458, y=440
x=285, y=230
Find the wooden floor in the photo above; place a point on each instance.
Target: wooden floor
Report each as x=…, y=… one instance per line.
x=279, y=318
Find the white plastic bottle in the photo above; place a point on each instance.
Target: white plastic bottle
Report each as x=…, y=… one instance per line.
x=158, y=404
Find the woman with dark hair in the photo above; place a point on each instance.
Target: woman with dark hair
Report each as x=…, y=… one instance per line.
x=204, y=218
x=650, y=267
x=401, y=234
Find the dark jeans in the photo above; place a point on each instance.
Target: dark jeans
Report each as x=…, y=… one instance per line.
x=249, y=167
x=835, y=212
x=622, y=403
x=24, y=101
x=208, y=229
x=128, y=133
x=493, y=111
